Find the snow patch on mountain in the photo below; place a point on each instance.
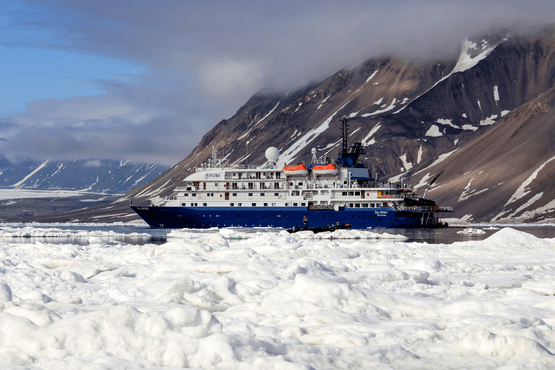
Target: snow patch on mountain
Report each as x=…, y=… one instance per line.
x=406, y=164
x=466, y=61
x=433, y=131
x=366, y=141
x=289, y=155
x=496, y=94
x=447, y=122
x=372, y=75
x=489, y=120
x=524, y=189
x=20, y=183
x=469, y=192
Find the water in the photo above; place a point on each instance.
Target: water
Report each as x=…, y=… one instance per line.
x=159, y=236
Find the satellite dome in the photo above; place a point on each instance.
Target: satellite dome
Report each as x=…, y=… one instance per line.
x=314, y=151
x=272, y=153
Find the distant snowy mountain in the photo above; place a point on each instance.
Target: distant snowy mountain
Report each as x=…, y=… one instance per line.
x=98, y=176
x=485, y=118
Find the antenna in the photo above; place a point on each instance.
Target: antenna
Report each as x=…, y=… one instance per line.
x=344, y=134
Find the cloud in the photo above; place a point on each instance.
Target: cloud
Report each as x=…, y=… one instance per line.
x=203, y=60
x=97, y=127
x=227, y=77
x=93, y=163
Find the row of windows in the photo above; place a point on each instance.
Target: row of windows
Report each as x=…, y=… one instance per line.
x=293, y=193
x=351, y=205
x=232, y=194
x=241, y=204
x=257, y=175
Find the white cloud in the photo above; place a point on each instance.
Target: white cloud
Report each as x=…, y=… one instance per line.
x=226, y=77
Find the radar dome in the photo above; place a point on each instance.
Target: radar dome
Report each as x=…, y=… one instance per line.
x=272, y=153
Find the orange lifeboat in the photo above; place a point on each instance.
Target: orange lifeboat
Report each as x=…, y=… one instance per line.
x=328, y=169
x=296, y=170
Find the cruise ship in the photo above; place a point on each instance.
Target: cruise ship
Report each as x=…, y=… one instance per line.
x=343, y=192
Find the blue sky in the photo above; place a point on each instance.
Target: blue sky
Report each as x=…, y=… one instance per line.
x=144, y=80
x=36, y=73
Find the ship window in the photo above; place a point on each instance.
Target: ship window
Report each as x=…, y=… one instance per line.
x=231, y=204
x=261, y=194
x=344, y=193
x=287, y=204
x=186, y=194
x=183, y=204
x=196, y=204
x=303, y=204
x=357, y=205
x=239, y=204
x=215, y=184
x=204, y=204
x=254, y=204
x=357, y=192
x=286, y=216
x=291, y=183
x=251, y=185
x=265, y=204
x=350, y=193
x=250, y=194
x=194, y=195
x=276, y=194
x=192, y=204
x=300, y=183
x=351, y=205
x=295, y=204
x=364, y=205
x=234, y=194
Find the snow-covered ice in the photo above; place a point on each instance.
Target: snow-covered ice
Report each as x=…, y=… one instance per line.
x=240, y=299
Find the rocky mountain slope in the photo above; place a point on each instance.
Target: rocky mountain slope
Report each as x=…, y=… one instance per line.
x=485, y=119
x=110, y=177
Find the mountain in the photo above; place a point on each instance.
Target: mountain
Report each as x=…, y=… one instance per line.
x=95, y=176
x=484, y=119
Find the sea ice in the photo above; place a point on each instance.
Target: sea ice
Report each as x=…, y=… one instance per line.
x=258, y=299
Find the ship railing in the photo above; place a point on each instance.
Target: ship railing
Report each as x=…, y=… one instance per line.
x=426, y=208
x=233, y=167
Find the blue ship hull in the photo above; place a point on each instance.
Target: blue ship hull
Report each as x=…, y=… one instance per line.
x=285, y=217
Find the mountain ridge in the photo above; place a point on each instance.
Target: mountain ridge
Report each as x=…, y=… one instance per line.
x=414, y=119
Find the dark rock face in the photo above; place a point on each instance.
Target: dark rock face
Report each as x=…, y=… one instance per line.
x=486, y=120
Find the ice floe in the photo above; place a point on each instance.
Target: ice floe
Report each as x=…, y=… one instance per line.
x=259, y=299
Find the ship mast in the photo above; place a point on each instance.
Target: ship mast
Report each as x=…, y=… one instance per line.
x=348, y=157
